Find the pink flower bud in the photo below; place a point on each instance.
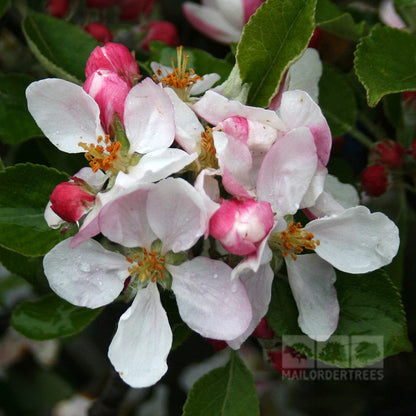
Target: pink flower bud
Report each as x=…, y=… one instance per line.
x=240, y=226
x=71, y=200
x=114, y=57
x=374, y=179
x=389, y=153
x=250, y=7
x=263, y=331
x=58, y=8
x=163, y=31
x=109, y=90
x=99, y=32
x=131, y=9
x=217, y=344
x=413, y=151
x=315, y=39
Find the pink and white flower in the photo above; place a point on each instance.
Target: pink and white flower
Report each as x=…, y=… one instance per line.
x=208, y=300
x=222, y=21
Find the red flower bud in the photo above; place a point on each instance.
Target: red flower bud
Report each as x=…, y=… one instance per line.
x=58, y=8
x=374, y=179
x=288, y=362
x=388, y=153
x=314, y=41
x=263, y=331
x=217, y=344
x=71, y=200
x=114, y=57
x=414, y=149
x=99, y=31
x=409, y=96
x=165, y=32
x=131, y=9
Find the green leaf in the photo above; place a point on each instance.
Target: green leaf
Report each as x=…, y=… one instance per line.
x=4, y=4
x=226, y=391
x=407, y=11
x=24, y=193
x=275, y=36
x=370, y=309
x=201, y=62
x=16, y=123
x=385, y=62
x=62, y=49
x=337, y=101
x=330, y=18
x=30, y=268
x=51, y=317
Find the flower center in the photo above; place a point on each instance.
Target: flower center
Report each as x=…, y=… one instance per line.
x=106, y=156
x=293, y=240
x=147, y=265
x=180, y=79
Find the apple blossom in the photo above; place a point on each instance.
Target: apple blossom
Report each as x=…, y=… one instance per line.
x=222, y=21
x=70, y=118
x=208, y=300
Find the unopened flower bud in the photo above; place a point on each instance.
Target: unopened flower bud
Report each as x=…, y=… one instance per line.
x=217, y=344
x=58, y=8
x=288, y=362
x=414, y=149
x=314, y=41
x=263, y=331
x=374, y=179
x=71, y=200
x=99, y=32
x=131, y=9
x=113, y=57
x=163, y=31
x=109, y=91
x=389, y=153
x=240, y=226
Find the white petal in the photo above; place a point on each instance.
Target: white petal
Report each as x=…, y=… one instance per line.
x=215, y=108
x=176, y=214
x=65, y=113
x=287, y=171
x=88, y=275
x=211, y=23
x=312, y=282
x=143, y=339
x=159, y=164
x=316, y=186
x=259, y=289
x=201, y=85
x=94, y=179
x=53, y=220
x=188, y=127
x=125, y=222
x=148, y=118
x=356, y=241
x=305, y=73
x=208, y=301
x=344, y=193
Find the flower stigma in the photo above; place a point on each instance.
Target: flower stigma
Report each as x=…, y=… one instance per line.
x=294, y=240
x=179, y=79
x=106, y=156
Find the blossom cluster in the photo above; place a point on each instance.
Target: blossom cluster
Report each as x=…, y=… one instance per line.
x=192, y=192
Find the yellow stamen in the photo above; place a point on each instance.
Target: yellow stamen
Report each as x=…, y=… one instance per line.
x=102, y=157
x=294, y=240
x=179, y=78
x=207, y=156
x=148, y=265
